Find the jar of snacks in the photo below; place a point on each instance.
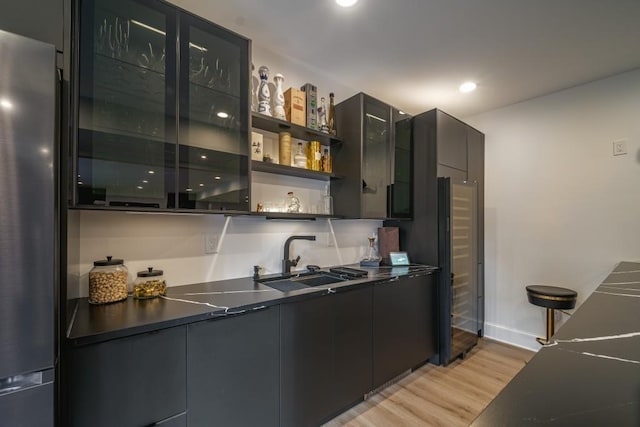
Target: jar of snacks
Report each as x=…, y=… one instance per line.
x=149, y=284
x=108, y=281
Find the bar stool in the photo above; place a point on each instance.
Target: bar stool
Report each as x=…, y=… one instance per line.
x=552, y=298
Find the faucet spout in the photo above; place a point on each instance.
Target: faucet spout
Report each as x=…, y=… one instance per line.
x=286, y=262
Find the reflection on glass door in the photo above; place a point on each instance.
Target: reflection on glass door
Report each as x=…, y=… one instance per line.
x=127, y=107
x=375, y=158
x=214, y=116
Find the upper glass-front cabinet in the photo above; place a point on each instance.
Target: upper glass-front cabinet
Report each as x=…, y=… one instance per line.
x=160, y=125
x=375, y=160
x=214, y=118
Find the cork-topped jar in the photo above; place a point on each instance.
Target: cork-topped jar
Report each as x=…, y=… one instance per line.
x=108, y=281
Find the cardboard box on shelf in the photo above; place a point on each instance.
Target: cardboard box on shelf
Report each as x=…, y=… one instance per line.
x=294, y=106
x=312, y=105
x=257, y=148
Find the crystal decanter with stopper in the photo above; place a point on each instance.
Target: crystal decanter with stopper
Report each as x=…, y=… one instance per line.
x=372, y=259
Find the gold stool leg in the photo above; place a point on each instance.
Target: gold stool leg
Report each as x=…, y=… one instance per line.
x=550, y=324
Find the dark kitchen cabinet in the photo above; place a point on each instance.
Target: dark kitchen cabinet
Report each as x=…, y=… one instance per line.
x=214, y=118
x=404, y=326
x=444, y=147
x=326, y=355
x=375, y=161
x=134, y=381
x=233, y=375
x=36, y=19
x=160, y=124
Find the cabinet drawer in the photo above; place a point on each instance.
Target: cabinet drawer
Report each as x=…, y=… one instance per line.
x=134, y=381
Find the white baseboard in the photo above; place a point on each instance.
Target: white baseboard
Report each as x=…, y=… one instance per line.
x=511, y=336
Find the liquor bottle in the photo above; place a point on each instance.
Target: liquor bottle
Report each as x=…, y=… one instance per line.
x=322, y=117
x=264, y=95
x=332, y=115
x=300, y=159
x=327, y=164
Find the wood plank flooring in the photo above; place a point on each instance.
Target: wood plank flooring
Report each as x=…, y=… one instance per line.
x=448, y=396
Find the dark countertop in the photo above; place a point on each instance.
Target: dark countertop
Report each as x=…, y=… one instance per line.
x=88, y=323
x=589, y=375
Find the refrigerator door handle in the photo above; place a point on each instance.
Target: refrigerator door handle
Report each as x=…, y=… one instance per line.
x=21, y=382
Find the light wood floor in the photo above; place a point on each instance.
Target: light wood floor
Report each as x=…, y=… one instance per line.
x=441, y=396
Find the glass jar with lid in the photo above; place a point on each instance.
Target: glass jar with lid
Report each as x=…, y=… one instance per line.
x=149, y=284
x=108, y=281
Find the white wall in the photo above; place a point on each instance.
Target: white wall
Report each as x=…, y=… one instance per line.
x=560, y=208
x=176, y=244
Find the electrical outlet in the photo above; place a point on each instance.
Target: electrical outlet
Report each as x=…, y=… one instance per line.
x=211, y=243
x=619, y=147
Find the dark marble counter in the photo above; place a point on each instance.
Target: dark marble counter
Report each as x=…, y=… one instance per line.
x=88, y=323
x=589, y=375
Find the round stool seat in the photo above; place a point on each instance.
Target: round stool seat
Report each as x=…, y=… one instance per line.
x=552, y=296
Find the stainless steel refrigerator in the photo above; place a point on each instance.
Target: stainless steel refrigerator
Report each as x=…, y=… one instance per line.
x=27, y=231
x=458, y=287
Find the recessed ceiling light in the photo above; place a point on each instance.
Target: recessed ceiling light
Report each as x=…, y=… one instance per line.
x=189, y=189
x=217, y=177
x=467, y=87
x=223, y=115
x=139, y=187
x=346, y=3
x=402, y=112
x=151, y=172
x=6, y=104
x=144, y=181
x=203, y=156
x=201, y=185
x=80, y=182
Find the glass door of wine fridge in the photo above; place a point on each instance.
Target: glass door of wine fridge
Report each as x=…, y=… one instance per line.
x=458, y=253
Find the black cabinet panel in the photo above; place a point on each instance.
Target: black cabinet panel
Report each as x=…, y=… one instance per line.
x=134, y=381
x=36, y=19
x=28, y=408
x=375, y=160
x=475, y=147
x=352, y=360
x=233, y=370
x=404, y=326
x=452, y=142
x=326, y=355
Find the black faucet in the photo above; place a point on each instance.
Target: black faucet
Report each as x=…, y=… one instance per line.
x=286, y=262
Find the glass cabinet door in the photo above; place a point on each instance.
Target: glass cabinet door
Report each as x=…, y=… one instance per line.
x=400, y=194
x=375, y=158
x=126, y=141
x=214, y=118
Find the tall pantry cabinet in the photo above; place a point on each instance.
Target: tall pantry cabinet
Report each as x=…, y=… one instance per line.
x=443, y=146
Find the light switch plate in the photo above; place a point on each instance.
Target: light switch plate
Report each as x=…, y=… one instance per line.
x=211, y=243
x=620, y=147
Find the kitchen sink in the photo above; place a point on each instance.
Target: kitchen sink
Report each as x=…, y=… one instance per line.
x=294, y=282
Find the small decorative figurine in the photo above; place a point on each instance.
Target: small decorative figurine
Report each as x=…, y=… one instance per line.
x=278, y=110
x=264, y=97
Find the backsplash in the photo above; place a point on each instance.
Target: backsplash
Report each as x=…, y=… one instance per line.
x=176, y=244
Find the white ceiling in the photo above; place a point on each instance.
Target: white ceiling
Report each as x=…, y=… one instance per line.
x=414, y=54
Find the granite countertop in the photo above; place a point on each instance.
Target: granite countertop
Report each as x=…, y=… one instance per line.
x=589, y=375
x=88, y=323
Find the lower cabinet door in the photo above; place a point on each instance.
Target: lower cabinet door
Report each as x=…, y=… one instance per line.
x=403, y=326
x=134, y=381
x=326, y=355
x=233, y=375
